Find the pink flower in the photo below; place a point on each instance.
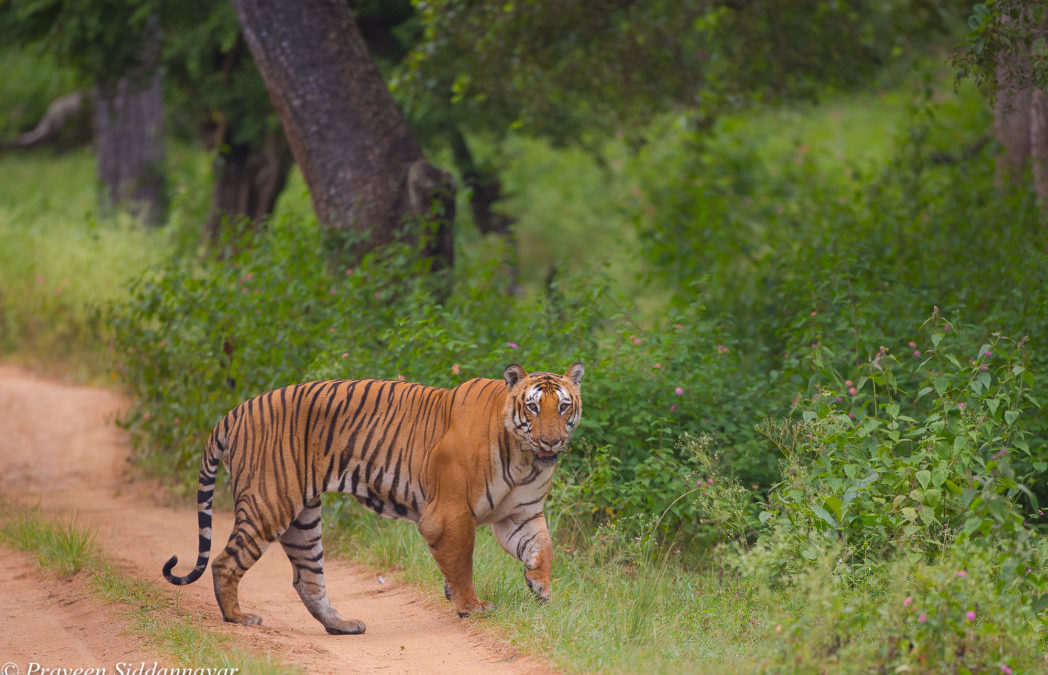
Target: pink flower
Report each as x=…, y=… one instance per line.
x=755, y=486
x=907, y=602
x=332, y=329
x=851, y=416
x=673, y=407
x=678, y=326
x=249, y=276
x=709, y=481
x=345, y=355
x=848, y=383
x=962, y=574
x=987, y=353
x=400, y=377
x=145, y=415
x=512, y=345
x=657, y=366
x=923, y=618
x=814, y=313
x=947, y=327
x=916, y=352
x=912, y=344
x=333, y=291
x=983, y=367
x=960, y=406
x=679, y=391
x=636, y=341
x=176, y=420
x=970, y=615
x=455, y=369
x=349, y=270
x=1005, y=669
x=853, y=391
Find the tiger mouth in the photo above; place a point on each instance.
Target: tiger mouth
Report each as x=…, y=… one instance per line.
x=546, y=456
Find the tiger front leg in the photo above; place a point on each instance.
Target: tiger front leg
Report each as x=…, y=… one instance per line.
x=527, y=539
x=451, y=537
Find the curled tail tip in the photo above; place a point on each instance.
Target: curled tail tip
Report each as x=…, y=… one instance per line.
x=193, y=575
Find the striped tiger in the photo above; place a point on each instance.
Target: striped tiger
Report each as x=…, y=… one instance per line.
x=449, y=460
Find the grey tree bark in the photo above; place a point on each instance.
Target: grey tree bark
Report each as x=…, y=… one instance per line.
x=129, y=142
x=347, y=135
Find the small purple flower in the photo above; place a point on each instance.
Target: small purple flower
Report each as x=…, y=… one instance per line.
x=962, y=574
x=1005, y=669
x=853, y=391
x=969, y=615
x=679, y=391
x=960, y=406
x=907, y=602
x=512, y=345
x=916, y=352
x=923, y=618
x=987, y=353
x=913, y=345
x=636, y=341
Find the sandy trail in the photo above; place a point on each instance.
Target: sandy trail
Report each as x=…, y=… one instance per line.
x=59, y=449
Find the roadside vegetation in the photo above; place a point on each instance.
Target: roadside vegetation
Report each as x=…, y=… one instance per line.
x=68, y=550
x=813, y=436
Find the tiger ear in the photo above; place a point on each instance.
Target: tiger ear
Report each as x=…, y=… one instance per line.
x=575, y=373
x=513, y=374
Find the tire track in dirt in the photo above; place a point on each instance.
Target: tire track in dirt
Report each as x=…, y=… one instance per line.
x=60, y=450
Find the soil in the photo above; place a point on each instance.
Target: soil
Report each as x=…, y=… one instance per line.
x=59, y=449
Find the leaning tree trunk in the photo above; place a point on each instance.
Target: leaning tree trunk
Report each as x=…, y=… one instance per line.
x=248, y=178
x=350, y=140
x=129, y=143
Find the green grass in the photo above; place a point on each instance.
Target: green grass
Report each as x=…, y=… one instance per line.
x=617, y=606
x=59, y=258
x=68, y=549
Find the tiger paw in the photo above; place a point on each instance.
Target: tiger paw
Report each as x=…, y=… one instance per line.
x=245, y=619
x=473, y=608
x=340, y=627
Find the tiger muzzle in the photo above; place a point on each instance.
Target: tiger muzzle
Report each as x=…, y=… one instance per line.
x=547, y=451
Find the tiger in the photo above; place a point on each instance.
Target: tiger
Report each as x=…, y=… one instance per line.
x=449, y=460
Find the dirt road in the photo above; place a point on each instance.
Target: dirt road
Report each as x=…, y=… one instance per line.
x=59, y=449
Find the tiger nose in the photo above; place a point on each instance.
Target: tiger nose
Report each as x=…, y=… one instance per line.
x=551, y=441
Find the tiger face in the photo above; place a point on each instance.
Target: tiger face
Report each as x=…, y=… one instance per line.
x=542, y=409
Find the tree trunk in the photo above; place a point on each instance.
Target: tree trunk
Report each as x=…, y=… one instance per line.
x=486, y=191
x=1039, y=144
x=129, y=142
x=1011, y=125
x=346, y=133
x=247, y=180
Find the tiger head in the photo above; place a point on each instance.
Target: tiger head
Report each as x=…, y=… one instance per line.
x=542, y=409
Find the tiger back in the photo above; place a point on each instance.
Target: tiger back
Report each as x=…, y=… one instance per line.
x=450, y=460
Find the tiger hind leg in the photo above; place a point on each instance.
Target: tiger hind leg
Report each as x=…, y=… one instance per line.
x=245, y=546
x=303, y=545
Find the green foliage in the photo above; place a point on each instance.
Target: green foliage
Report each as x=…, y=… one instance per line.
x=101, y=39
x=30, y=83
x=560, y=68
x=58, y=258
x=1011, y=32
